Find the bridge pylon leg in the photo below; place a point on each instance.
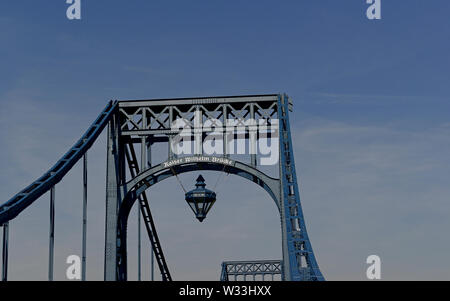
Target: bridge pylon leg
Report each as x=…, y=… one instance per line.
x=114, y=177
x=298, y=258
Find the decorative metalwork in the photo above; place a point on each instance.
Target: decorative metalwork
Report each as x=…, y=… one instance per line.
x=200, y=199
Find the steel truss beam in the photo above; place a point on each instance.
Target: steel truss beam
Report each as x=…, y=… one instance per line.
x=155, y=117
x=231, y=270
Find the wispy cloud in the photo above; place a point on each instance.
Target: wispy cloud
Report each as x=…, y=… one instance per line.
x=383, y=99
x=375, y=189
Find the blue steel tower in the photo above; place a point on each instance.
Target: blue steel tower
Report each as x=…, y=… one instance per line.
x=302, y=264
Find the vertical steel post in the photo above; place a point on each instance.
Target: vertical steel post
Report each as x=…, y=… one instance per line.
x=143, y=167
x=5, y=252
x=113, y=198
x=253, y=136
x=139, y=240
x=83, y=248
x=170, y=153
x=149, y=152
x=51, y=234
x=149, y=164
x=198, y=133
x=224, y=130
x=152, y=264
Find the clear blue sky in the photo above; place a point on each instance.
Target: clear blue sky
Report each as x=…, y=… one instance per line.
x=371, y=118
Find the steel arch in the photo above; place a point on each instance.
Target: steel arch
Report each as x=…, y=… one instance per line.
x=154, y=175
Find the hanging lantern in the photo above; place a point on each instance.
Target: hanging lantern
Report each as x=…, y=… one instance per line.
x=200, y=199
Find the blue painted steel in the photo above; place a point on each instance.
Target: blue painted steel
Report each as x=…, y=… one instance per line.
x=27, y=196
x=223, y=273
x=302, y=263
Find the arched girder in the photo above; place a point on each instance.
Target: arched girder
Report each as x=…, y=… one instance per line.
x=165, y=170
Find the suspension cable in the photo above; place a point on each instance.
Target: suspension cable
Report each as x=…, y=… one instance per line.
x=175, y=174
x=220, y=176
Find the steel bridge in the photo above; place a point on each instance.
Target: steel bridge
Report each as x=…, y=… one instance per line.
x=143, y=124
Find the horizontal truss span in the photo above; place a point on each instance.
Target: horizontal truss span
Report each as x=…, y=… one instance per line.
x=198, y=100
x=158, y=117
x=251, y=268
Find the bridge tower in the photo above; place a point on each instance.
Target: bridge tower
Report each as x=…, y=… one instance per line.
x=145, y=123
